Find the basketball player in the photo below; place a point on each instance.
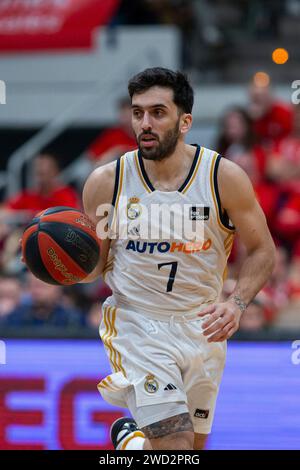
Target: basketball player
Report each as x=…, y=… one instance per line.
x=164, y=328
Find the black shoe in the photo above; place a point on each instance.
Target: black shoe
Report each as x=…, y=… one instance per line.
x=121, y=429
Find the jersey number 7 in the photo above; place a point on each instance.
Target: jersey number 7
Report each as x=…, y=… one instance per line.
x=172, y=275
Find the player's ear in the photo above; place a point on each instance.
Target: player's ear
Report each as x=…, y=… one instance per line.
x=186, y=123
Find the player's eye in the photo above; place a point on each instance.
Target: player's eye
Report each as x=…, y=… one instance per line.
x=137, y=114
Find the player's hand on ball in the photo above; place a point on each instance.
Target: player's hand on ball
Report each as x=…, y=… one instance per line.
x=223, y=321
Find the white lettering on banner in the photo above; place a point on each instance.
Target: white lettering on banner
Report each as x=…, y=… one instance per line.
x=296, y=354
x=31, y=23
x=2, y=352
x=30, y=4
x=2, y=92
x=296, y=93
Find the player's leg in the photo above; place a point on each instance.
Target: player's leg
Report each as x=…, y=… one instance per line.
x=152, y=390
x=200, y=441
x=202, y=402
x=203, y=391
x=201, y=379
x=174, y=433
x=163, y=426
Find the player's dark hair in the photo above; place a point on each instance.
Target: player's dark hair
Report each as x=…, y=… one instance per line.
x=159, y=76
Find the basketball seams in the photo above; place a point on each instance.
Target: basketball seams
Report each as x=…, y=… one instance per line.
x=30, y=229
x=60, y=246
x=58, y=233
x=69, y=219
x=57, y=262
x=58, y=209
x=34, y=221
x=37, y=266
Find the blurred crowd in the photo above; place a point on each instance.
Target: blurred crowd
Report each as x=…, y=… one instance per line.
x=210, y=29
x=263, y=138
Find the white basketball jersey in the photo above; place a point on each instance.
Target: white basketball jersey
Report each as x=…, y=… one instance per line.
x=179, y=264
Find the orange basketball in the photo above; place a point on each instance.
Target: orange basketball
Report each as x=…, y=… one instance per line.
x=60, y=246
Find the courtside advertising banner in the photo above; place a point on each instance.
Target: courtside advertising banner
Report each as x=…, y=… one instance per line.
x=29, y=25
x=49, y=397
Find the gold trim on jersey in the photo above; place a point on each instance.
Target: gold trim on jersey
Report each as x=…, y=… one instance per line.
x=194, y=172
x=109, y=319
x=139, y=170
x=229, y=241
x=108, y=337
x=105, y=273
x=108, y=386
x=119, y=190
x=122, y=164
x=108, y=266
x=228, y=248
x=212, y=188
x=225, y=274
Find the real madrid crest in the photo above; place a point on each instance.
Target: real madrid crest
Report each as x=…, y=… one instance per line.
x=134, y=208
x=151, y=385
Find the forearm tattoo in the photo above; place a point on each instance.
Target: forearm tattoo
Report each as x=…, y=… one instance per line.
x=239, y=302
x=169, y=426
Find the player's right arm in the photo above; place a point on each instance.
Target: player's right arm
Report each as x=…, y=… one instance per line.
x=98, y=190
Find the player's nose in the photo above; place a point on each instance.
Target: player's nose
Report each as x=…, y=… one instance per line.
x=146, y=123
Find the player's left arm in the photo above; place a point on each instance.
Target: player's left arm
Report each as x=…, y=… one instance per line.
x=238, y=199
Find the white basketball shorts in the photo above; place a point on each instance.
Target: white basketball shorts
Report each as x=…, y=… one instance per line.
x=161, y=367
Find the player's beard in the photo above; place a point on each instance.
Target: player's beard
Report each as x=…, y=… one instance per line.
x=165, y=146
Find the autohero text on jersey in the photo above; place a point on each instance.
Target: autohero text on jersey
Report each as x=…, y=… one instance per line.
x=166, y=247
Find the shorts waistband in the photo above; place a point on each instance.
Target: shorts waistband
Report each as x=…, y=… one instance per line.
x=176, y=318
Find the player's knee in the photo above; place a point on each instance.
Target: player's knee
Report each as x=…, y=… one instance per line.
x=171, y=433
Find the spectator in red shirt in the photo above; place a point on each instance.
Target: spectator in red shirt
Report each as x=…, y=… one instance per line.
x=48, y=191
x=284, y=169
x=283, y=165
x=273, y=119
x=288, y=221
x=237, y=143
x=112, y=143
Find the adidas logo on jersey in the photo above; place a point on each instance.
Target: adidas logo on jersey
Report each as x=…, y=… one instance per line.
x=170, y=387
